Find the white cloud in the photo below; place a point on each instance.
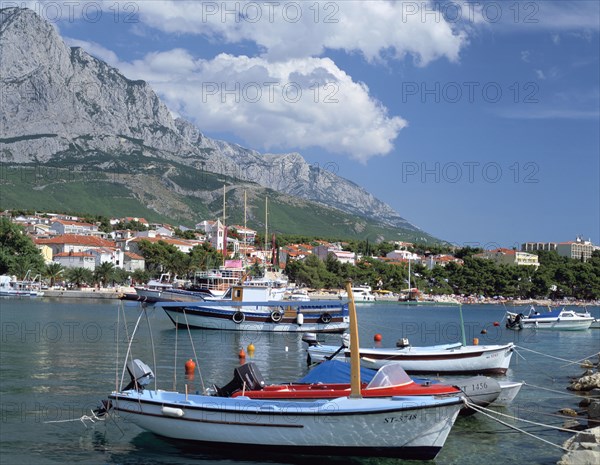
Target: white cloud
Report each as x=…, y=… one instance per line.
x=297, y=103
x=540, y=74
x=525, y=54
x=290, y=29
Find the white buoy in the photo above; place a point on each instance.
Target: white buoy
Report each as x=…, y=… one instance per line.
x=286, y=348
x=172, y=412
x=300, y=319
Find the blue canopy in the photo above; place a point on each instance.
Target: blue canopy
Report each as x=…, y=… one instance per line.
x=334, y=371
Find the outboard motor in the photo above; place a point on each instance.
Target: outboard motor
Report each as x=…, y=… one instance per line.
x=402, y=343
x=247, y=376
x=310, y=339
x=140, y=373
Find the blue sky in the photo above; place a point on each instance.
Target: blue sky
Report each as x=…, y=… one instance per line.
x=476, y=121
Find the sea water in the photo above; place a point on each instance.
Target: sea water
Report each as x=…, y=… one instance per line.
x=60, y=358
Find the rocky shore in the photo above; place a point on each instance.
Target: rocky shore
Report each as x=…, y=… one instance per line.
x=584, y=447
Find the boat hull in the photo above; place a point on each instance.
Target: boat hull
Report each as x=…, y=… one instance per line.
x=402, y=427
x=557, y=325
x=323, y=317
x=456, y=360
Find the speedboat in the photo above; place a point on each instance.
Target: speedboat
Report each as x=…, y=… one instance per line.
x=559, y=319
x=331, y=379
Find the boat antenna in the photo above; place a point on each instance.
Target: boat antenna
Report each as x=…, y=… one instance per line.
x=354, y=345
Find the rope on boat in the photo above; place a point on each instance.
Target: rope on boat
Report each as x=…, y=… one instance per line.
x=546, y=355
x=194, y=349
x=484, y=411
x=93, y=418
x=597, y=354
x=558, y=392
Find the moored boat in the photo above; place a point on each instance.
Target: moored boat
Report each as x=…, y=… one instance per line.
x=558, y=319
x=331, y=379
x=12, y=287
x=249, y=309
x=448, y=358
x=401, y=427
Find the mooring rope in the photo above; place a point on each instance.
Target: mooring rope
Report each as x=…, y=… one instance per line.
x=194, y=350
x=482, y=410
x=93, y=418
x=546, y=355
x=557, y=392
x=597, y=354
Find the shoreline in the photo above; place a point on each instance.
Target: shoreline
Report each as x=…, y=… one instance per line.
x=117, y=292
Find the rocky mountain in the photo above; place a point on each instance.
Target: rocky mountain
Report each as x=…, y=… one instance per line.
x=63, y=107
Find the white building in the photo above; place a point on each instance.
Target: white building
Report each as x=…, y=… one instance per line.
x=73, y=227
x=75, y=260
x=403, y=255
x=579, y=249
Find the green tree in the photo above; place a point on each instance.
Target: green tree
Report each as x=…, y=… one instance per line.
x=104, y=274
x=53, y=271
x=18, y=253
x=79, y=276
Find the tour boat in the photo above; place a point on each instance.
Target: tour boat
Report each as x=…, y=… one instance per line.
x=249, y=308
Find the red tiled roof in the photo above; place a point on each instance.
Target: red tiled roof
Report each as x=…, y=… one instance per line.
x=133, y=256
x=72, y=223
x=76, y=239
x=73, y=254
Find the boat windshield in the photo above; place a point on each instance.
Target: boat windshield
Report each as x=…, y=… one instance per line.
x=389, y=375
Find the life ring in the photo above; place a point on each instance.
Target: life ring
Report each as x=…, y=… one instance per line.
x=238, y=317
x=276, y=316
x=325, y=318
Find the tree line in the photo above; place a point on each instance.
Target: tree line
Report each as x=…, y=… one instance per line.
x=556, y=277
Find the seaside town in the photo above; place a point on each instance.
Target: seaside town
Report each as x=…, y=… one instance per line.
x=112, y=255
x=295, y=232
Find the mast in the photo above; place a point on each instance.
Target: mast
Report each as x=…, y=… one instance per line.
x=224, y=229
x=245, y=229
x=266, y=229
x=354, y=346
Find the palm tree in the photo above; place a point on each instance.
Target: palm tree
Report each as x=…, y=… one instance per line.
x=104, y=273
x=79, y=276
x=53, y=271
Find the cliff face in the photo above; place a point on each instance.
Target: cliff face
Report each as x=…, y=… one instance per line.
x=60, y=103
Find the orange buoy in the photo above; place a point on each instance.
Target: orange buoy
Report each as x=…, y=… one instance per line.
x=250, y=348
x=377, y=337
x=190, y=366
x=242, y=354
x=496, y=323
x=475, y=341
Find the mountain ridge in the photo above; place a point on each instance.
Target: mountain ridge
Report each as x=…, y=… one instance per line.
x=62, y=106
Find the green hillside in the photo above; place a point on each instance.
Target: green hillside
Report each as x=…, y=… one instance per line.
x=179, y=195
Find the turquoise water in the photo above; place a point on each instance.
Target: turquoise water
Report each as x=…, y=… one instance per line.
x=58, y=360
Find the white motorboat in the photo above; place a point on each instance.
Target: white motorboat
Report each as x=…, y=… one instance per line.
x=361, y=294
x=559, y=319
x=400, y=427
x=12, y=287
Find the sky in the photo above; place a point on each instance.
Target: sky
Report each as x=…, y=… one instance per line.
x=477, y=121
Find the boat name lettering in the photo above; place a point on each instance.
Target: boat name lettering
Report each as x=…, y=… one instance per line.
x=401, y=418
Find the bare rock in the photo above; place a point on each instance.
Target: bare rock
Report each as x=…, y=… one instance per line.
x=584, y=448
